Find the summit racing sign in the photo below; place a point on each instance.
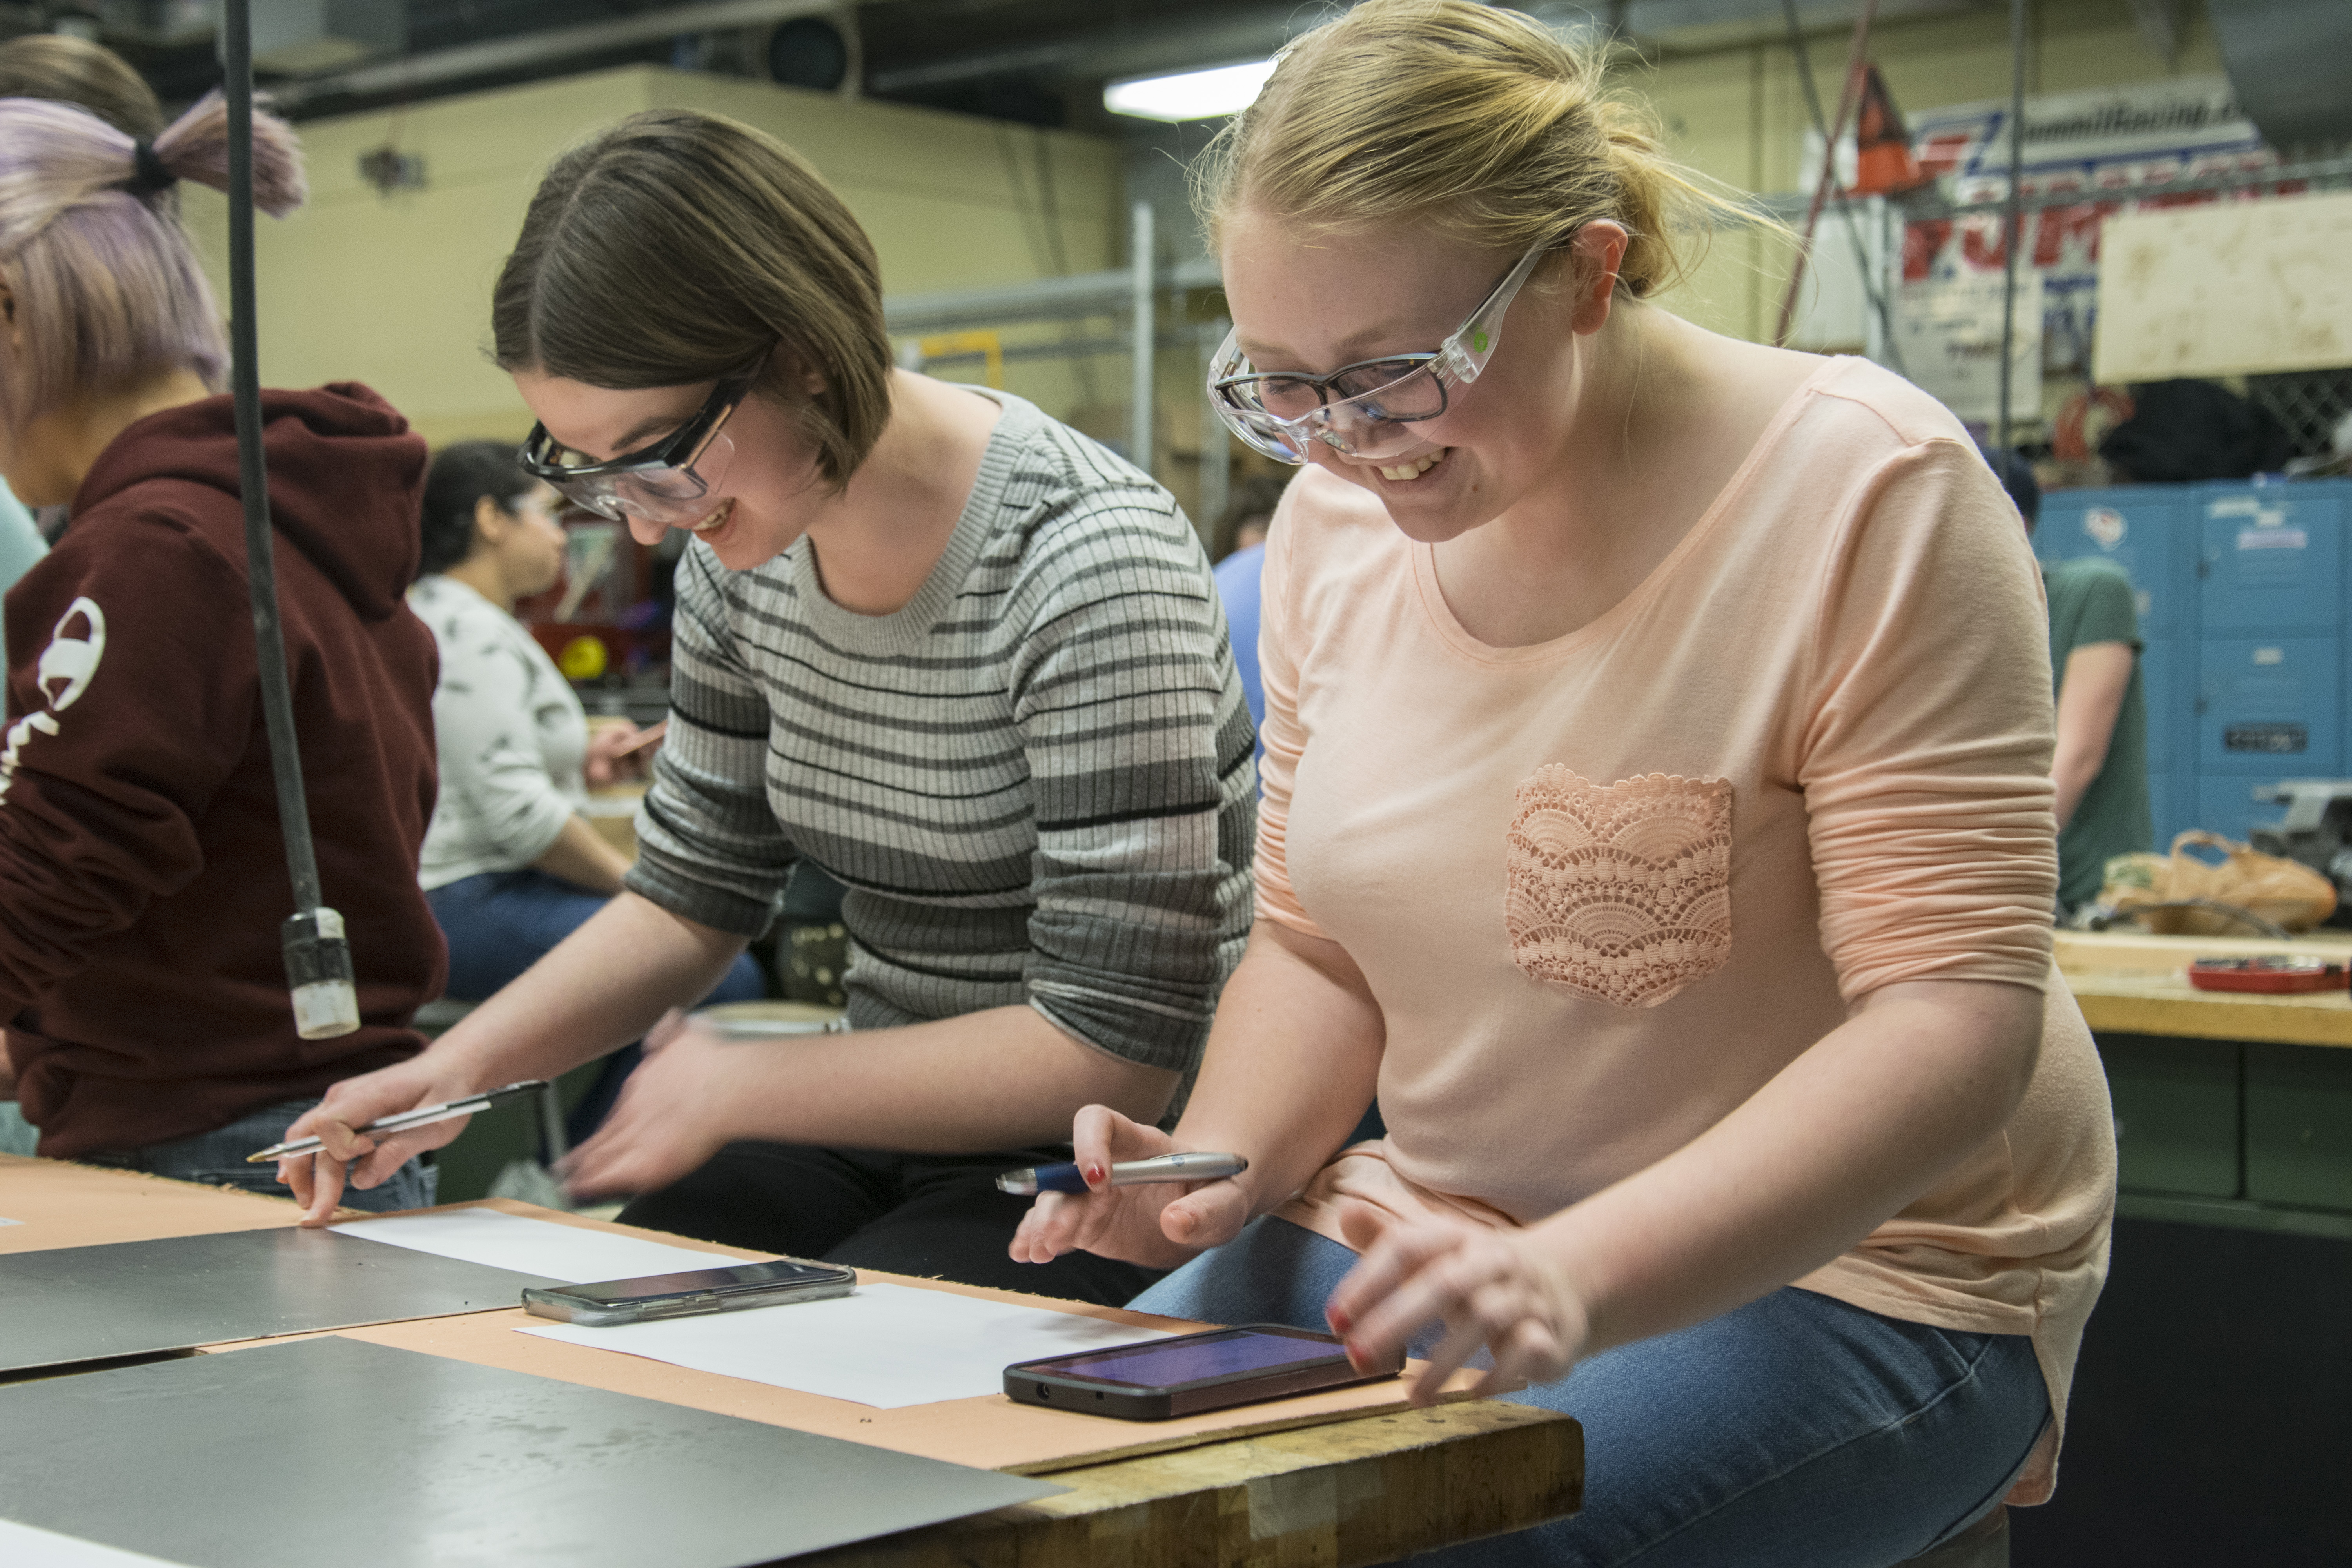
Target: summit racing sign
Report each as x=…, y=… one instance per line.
x=2104, y=140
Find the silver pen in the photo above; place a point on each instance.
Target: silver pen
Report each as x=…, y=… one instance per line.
x=422, y=1116
x=1127, y=1173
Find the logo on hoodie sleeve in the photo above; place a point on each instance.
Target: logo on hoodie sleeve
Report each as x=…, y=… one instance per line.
x=66, y=669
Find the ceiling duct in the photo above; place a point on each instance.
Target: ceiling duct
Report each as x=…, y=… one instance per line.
x=2286, y=59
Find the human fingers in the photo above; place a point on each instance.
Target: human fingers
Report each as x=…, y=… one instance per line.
x=1389, y=1252
x=317, y=1181
x=648, y=1143
x=375, y=1168
x=1532, y=1352
x=1034, y=1238
x=1499, y=1317
x=1444, y=1286
x=1424, y=1382
x=1209, y=1216
x=625, y=1167
x=1100, y=1137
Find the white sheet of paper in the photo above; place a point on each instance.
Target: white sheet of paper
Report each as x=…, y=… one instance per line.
x=27, y=1546
x=571, y=1253
x=886, y=1345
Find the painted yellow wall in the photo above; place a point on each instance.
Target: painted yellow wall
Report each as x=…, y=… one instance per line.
x=1739, y=115
x=393, y=290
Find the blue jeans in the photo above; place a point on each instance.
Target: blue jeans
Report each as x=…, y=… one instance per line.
x=1796, y=1432
x=501, y=922
x=217, y=1159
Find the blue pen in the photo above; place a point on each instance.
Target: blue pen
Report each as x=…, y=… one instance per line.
x=1127, y=1174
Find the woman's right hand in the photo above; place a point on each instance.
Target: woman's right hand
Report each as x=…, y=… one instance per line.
x=318, y=1179
x=1159, y=1226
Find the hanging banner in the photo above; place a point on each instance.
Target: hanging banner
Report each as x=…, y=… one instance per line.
x=1950, y=335
x=2148, y=133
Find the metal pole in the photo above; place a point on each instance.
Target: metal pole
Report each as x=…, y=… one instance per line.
x=1143, y=321
x=317, y=959
x=1216, y=444
x=1889, y=352
x=2010, y=227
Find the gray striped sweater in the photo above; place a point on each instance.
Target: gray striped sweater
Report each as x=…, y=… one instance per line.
x=1036, y=780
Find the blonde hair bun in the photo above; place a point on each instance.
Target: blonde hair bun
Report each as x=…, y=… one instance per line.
x=1474, y=120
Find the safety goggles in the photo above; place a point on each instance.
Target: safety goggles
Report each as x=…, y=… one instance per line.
x=664, y=483
x=1364, y=409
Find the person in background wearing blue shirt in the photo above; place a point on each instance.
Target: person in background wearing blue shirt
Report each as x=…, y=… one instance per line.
x=1238, y=547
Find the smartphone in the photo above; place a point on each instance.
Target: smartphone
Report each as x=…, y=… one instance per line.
x=1187, y=1373
x=729, y=1290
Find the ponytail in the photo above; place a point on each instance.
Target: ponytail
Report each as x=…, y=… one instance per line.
x=91, y=244
x=196, y=147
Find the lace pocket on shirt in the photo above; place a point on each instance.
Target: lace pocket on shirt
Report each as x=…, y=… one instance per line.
x=1620, y=892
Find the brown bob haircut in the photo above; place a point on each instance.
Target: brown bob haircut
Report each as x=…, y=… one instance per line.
x=678, y=248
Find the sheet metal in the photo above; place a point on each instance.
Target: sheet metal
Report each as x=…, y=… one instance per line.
x=334, y=1447
x=137, y=1298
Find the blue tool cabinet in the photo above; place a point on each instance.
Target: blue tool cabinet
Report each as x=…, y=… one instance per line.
x=2247, y=672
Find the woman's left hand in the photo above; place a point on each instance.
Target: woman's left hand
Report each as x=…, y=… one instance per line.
x=1490, y=1288
x=672, y=1115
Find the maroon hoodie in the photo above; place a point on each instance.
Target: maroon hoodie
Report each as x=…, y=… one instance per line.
x=143, y=874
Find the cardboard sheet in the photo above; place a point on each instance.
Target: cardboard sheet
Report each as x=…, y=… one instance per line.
x=56, y=1203
x=572, y=1253
x=991, y=1431
x=886, y=1345
x=284, y=1452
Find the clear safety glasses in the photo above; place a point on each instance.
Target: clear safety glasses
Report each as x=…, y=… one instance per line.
x=1361, y=410
x=664, y=483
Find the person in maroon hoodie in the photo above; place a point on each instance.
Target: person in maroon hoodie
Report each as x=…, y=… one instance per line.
x=143, y=873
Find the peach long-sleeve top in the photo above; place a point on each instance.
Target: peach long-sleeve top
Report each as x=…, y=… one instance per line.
x=1604, y=888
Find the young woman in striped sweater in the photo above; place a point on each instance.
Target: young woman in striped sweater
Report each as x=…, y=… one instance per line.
x=966, y=659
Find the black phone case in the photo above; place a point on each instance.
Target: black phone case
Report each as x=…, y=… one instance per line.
x=1025, y=1385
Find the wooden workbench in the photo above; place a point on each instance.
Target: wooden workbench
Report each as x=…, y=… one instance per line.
x=2231, y=1108
x=1361, y=1489
x=2135, y=984
x=1354, y=1492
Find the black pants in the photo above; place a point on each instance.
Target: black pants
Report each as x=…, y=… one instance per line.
x=937, y=1216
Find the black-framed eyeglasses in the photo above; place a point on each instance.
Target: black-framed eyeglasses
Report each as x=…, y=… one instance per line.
x=664, y=483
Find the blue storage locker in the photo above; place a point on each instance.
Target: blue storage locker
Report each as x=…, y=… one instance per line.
x=2164, y=693
x=2147, y=530
x=2226, y=804
x=2271, y=559
x=2161, y=807
x=2272, y=706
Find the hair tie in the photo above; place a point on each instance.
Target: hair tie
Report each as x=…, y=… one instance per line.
x=152, y=178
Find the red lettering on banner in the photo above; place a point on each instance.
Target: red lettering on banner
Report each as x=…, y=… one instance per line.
x=1921, y=243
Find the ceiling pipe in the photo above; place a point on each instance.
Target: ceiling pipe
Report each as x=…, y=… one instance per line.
x=524, y=50
x=1131, y=51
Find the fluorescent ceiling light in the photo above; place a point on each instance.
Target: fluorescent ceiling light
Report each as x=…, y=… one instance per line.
x=1190, y=95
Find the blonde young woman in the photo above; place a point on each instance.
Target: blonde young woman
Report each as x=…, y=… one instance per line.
x=1658, y=815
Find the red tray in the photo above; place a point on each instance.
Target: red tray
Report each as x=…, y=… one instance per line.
x=2267, y=974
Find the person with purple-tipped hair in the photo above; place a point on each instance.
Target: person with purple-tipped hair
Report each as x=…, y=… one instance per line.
x=143, y=873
